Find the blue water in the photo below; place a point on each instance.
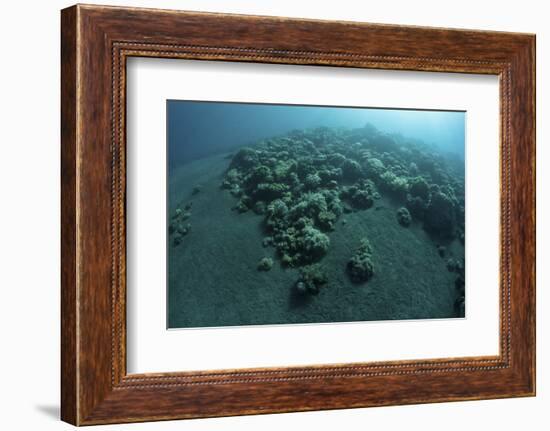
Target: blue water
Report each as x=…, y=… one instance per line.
x=200, y=129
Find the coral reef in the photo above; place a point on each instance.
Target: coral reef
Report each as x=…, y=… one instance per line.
x=394, y=184
x=440, y=214
x=404, y=217
x=302, y=182
x=361, y=195
x=460, y=302
x=360, y=267
x=312, y=278
x=353, y=163
x=418, y=187
x=177, y=228
x=265, y=264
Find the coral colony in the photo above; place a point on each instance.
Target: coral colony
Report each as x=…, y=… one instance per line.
x=305, y=182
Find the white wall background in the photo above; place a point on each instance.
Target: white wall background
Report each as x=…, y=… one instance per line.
x=29, y=215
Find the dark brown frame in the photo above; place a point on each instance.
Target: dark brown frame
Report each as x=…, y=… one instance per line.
x=95, y=42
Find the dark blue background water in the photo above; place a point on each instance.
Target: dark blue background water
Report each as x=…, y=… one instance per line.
x=200, y=129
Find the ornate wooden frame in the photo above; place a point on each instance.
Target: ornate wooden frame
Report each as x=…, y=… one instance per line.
x=95, y=43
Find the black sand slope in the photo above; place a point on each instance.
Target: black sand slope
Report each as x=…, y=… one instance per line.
x=213, y=278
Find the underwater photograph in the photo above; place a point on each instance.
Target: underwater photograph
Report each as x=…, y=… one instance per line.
x=293, y=214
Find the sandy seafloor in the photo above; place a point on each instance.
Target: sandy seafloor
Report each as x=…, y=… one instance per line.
x=213, y=278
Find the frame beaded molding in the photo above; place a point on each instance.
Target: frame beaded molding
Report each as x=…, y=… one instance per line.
x=123, y=49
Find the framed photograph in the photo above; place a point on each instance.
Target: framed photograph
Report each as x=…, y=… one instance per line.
x=263, y=214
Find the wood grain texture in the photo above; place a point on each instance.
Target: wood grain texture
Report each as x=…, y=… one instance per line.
x=96, y=41
x=69, y=397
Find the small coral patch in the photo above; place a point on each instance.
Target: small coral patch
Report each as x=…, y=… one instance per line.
x=404, y=217
x=265, y=264
x=360, y=267
x=312, y=278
